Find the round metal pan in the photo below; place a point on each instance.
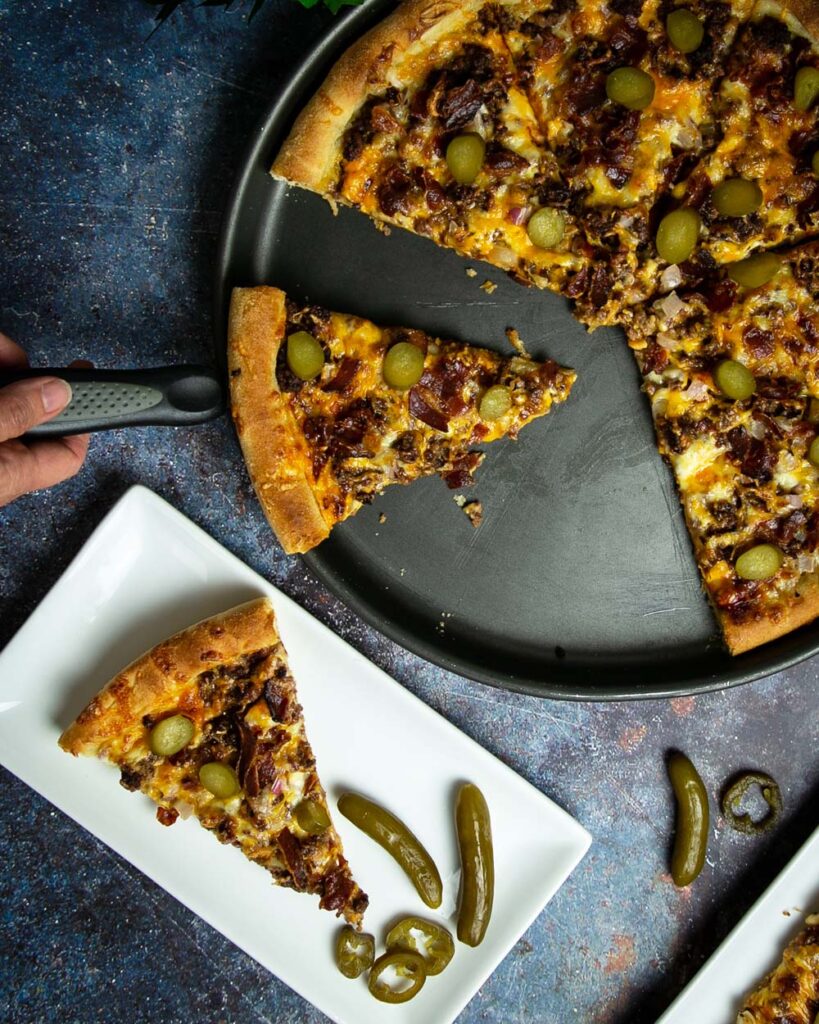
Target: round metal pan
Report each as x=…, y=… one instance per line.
x=580, y=583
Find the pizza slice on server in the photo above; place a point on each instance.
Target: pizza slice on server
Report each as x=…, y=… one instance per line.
x=423, y=124
x=208, y=723
x=732, y=372
x=330, y=409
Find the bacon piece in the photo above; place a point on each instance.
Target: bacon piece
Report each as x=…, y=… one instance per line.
x=256, y=768
x=720, y=295
x=278, y=702
x=501, y=161
x=461, y=473
x=345, y=373
x=394, y=193
x=293, y=858
x=600, y=286
x=760, y=342
x=756, y=457
x=460, y=105
x=166, y=815
x=422, y=410
x=337, y=889
x=653, y=358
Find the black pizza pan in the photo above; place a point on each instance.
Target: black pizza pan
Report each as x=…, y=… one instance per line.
x=580, y=583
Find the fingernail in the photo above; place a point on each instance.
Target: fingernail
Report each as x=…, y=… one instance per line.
x=56, y=394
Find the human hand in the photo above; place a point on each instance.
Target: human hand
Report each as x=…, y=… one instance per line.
x=30, y=465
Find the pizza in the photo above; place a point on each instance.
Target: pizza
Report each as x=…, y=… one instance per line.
x=208, y=723
x=330, y=409
x=791, y=990
x=425, y=125
x=657, y=163
x=732, y=374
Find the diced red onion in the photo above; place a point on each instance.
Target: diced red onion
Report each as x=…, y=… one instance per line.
x=518, y=214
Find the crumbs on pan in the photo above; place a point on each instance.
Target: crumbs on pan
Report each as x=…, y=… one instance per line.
x=489, y=287
x=471, y=272
x=383, y=228
x=442, y=624
x=382, y=518
x=473, y=510
x=516, y=343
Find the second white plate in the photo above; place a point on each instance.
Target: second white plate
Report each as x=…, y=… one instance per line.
x=754, y=947
x=147, y=572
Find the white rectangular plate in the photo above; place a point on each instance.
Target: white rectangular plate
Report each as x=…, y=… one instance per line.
x=147, y=572
x=754, y=947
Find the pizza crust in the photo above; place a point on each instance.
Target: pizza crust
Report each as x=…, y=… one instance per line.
x=156, y=680
x=273, y=447
x=310, y=153
x=743, y=636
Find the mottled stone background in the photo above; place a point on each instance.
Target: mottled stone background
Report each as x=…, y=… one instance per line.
x=118, y=147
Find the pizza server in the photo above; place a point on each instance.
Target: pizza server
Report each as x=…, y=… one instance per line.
x=175, y=396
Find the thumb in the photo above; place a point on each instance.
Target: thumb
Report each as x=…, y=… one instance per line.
x=26, y=403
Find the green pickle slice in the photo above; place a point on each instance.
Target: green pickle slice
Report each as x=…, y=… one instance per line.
x=546, y=228
x=464, y=157
x=429, y=940
x=759, y=562
x=631, y=87
x=403, y=365
x=219, y=779
x=355, y=952
x=685, y=30
x=397, y=977
x=678, y=234
x=734, y=380
x=756, y=270
x=806, y=88
x=737, y=197
x=312, y=817
x=813, y=451
x=815, y=162
x=496, y=402
x=305, y=356
x=170, y=735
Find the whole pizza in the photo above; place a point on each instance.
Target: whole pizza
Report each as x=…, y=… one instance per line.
x=656, y=162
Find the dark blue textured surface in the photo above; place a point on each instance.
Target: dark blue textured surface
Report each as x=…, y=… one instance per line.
x=117, y=150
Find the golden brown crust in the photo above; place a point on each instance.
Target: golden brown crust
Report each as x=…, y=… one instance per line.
x=158, y=678
x=310, y=153
x=745, y=635
x=274, y=449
